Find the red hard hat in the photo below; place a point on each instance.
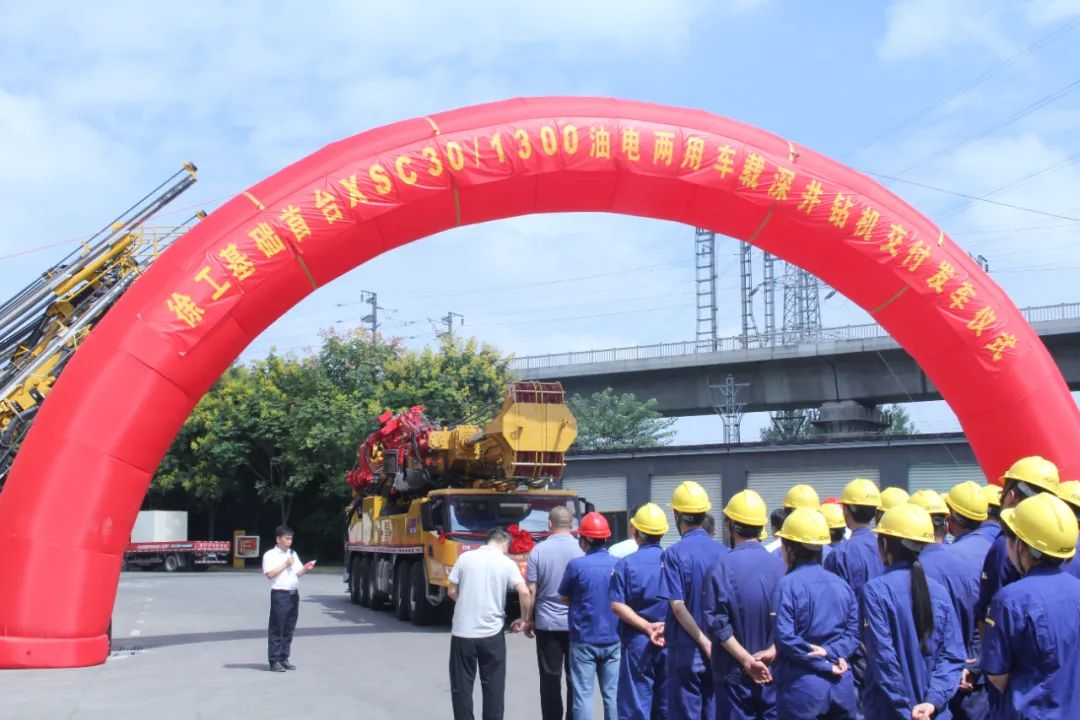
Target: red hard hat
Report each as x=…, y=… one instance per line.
x=594, y=525
x=830, y=501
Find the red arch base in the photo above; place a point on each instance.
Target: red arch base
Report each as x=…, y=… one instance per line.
x=77, y=484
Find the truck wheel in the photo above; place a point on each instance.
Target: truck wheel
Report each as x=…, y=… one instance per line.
x=172, y=563
x=364, y=588
x=354, y=581
x=423, y=612
x=376, y=599
x=403, y=590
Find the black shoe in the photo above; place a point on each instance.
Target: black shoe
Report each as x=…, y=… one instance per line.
x=277, y=667
x=287, y=665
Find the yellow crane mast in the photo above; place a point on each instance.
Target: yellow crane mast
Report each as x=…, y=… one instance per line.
x=42, y=325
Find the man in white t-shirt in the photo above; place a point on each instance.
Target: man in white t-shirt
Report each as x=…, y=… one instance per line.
x=283, y=567
x=628, y=546
x=479, y=583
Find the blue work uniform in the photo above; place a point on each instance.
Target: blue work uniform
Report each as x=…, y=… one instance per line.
x=643, y=666
x=962, y=586
x=857, y=560
x=1073, y=566
x=685, y=566
x=970, y=550
x=972, y=547
x=811, y=606
x=997, y=572
x=587, y=582
x=990, y=530
x=737, y=595
x=899, y=675
x=594, y=636
x=1032, y=634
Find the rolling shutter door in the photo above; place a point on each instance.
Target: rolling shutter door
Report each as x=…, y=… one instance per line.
x=662, y=487
x=608, y=494
x=942, y=477
x=772, y=485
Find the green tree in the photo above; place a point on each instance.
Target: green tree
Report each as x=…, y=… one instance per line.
x=287, y=427
x=208, y=453
x=798, y=424
x=461, y=380
x=276, y=405
x=791, y=425
x=607, y=421
x=900, y=422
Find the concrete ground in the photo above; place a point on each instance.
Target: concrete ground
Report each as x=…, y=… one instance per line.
x=193, y=645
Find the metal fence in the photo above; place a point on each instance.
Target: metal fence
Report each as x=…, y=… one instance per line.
x=867, y=331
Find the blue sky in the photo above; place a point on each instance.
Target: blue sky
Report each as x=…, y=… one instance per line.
x=101, y=101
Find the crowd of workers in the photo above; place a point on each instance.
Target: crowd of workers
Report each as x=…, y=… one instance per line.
x=866, y=609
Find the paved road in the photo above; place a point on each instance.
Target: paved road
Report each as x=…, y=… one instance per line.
x=194, y=646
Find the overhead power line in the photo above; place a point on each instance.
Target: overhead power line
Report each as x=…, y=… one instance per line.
x=1027, y=177
x=1011, y=206
x=1019, y=114
x=968, y=87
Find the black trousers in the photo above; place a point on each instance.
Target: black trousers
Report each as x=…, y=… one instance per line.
x=553, y=659
x=490, y=655
x=284, y=607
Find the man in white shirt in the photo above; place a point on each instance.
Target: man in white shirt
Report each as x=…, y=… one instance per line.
x=479, y=583
x=630, y=544
x=283, y=567
x=776, y=521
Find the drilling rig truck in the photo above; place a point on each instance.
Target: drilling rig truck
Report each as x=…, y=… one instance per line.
x=423, y=495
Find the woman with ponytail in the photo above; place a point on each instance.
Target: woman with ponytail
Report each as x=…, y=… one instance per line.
x=914, y=649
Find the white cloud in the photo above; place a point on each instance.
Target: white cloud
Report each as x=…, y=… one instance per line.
x=1032, y=256
x=917, y=28
x=1045, y=12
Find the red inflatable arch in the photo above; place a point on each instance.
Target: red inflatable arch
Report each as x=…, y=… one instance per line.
x=72, y=496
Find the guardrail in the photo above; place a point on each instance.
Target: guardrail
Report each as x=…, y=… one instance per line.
x=867, y=331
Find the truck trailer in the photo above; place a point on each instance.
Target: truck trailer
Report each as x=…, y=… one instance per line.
x=159, y=540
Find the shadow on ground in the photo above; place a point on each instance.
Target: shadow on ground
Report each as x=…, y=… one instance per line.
x=341, y=608
x=262, y=667
x=354, y=621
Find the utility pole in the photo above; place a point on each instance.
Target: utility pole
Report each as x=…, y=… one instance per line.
x=372, y=318
x=705, y=266
x=448, y=320
x=726, y=403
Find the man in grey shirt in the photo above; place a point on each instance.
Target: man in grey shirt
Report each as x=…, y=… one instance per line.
x=544, y=573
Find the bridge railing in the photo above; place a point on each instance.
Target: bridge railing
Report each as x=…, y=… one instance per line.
x=844, y=333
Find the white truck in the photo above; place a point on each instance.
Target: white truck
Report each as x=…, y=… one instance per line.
x=159, y=539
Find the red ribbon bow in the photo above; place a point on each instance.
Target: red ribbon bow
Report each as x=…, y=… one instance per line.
x=521, y=541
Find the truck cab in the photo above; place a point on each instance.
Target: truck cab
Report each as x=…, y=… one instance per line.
x=402, y=556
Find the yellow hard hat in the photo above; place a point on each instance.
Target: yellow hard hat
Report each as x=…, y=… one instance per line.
x=802, y=496
x=907, y=522
x=930, y=501
x=967, y=500
x=690, y=498
x=891, y=497
x=747, y=507
x=1035, y=471
x=993, y=495
x=764, y=534
x=1044, y=523
x=1069, y=491
x=805, y=526
x=861, y=491
x=650, y=519
x=834, y=515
